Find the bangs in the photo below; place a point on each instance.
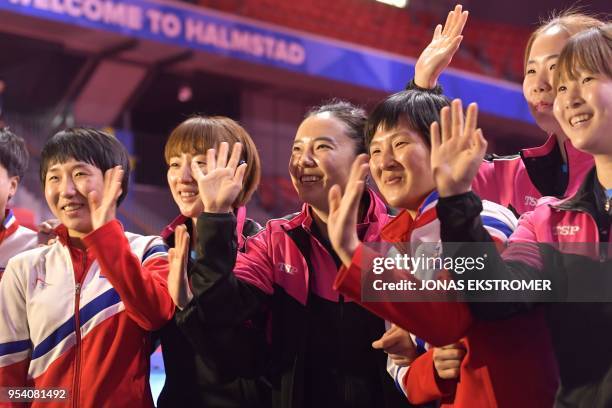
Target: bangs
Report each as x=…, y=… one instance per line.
x=68, y=145
x=195, y=136
x=589, y=51
x=417, y=109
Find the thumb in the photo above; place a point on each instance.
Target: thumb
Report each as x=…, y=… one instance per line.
x=93, y=200
x=171, y=256
x=335, y=197
x=381, y=343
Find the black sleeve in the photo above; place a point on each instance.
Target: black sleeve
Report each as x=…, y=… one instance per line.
x=461, y=225
x=221, y=299
x=225, y=320
x=437, y=90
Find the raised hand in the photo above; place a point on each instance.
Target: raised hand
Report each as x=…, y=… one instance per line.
x=178, y=282
x=397, y=343
x=457, y=149
x=447, y=360
x=103, y=209
x=46, y=232
x=343, y=211
x=222, y=183
x=440, y=51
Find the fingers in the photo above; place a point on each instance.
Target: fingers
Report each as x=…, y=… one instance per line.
x=356, y=183
x=240, y=172
x=218, y=160
x=222, y=155
x=181, y=240
x=196, y=171
x=93, y=200
x=457, y=118
x=436, y=139
x=480, y=143
x=400, y=360
x=437, y=32
x=471, y=119
x=334, y=198
x=448, y=22
x=211, y=160
x=453, y=346
x=461, y=21
x=235, y=157
x=445, y=124
x=458, y=21
x=171, y=258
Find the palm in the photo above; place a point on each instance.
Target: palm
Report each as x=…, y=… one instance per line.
x=457, y=149
x=440, y=51
x=103, y=209
x=178, y=283
x=343, y=211
x=220, y=186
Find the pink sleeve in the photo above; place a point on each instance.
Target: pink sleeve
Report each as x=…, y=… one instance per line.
x=254, y=266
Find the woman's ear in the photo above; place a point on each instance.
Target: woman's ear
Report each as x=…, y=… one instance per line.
x=14, y=183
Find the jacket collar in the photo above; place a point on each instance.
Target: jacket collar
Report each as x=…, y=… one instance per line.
x=9, y=220
x=377, y=214
x=400, y=228
x=168, y=231
x=590, y=196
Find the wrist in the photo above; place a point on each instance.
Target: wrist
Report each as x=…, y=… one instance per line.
x=453, y=191
x=425, y=82
x=347, y=252
x=217, y=209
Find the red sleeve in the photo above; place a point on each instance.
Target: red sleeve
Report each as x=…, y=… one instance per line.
x=142, y=288
x=14, y=376
x=421, y=383
x=438, y=323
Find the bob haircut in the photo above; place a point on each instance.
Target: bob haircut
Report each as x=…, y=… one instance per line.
x=418, y=109
x=571, y=21
x=590, y=50
x=199, y=133
x=353, y=117
x=87, y=145
x=14, y=155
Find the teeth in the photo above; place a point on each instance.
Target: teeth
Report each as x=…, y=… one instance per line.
x=188, y=194
x=310, y=178
x=575, y=120
x=72, y=207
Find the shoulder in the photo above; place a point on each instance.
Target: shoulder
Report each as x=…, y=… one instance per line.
x=147, y=246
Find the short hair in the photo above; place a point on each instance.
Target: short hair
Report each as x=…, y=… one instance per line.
x=14, y=154
x=353, y=117
x=571, y=21
x=419, y=109
x=87, y=145
x=199, y=133
x=590, y=50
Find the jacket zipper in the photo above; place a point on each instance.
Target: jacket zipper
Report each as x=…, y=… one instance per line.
x=77, y=331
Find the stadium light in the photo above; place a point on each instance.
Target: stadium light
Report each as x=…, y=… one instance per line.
x=396, y=3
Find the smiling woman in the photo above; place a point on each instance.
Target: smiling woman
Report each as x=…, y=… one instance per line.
x=192, y=170
x=287, y=270
x=101, y=286
x=325, y=145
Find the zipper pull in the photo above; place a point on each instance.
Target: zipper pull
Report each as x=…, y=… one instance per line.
x=77, y=289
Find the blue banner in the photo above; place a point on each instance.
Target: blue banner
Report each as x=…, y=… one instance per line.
x=200, y=29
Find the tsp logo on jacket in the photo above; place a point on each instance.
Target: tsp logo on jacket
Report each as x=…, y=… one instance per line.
x=283, y=267
x=530, y=201
x=566, y=230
